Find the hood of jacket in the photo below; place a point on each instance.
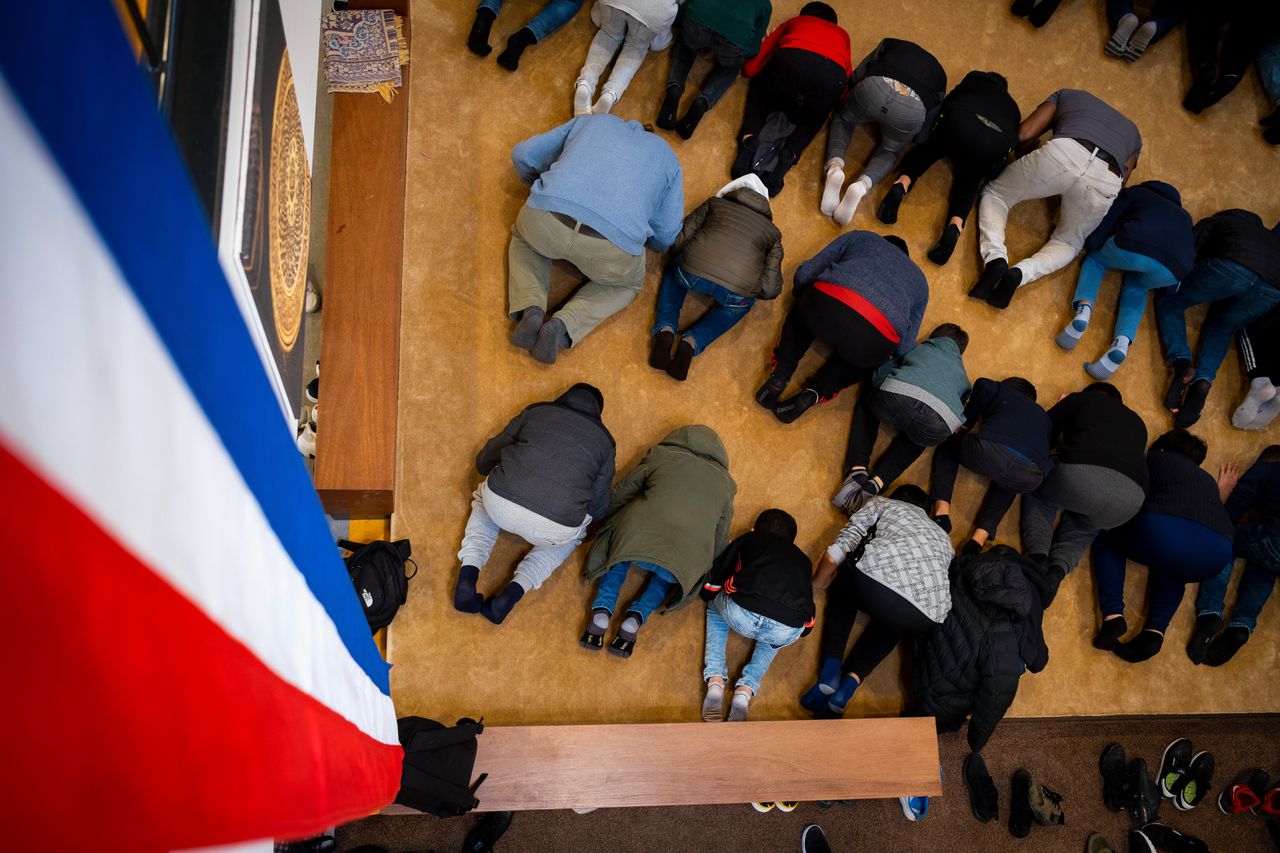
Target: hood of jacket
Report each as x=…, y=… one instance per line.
x=583, y=398
x=752, y=200
x=1162, y=189
x=750, y=181
x=1004, y=579
x=701, y=441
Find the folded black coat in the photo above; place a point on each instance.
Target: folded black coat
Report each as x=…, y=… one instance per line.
x=971, y=663
x=1240, y=236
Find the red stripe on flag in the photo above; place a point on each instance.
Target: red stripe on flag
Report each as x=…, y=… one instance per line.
x=133, y=721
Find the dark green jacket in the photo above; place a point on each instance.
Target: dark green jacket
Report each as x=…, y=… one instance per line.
x=743, y=22
x=674, y=509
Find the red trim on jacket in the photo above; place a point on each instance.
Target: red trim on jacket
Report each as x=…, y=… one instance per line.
x=804, y=32
x=858, y=303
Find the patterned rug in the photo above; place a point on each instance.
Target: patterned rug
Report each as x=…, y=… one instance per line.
x=363, y=51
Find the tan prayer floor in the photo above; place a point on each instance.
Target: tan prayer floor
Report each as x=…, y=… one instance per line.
x=461, y=379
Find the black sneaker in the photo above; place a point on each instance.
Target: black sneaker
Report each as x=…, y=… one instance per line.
x=984, y=799
x=488, y=829
x=1169, y=840
x=771, y=391
x=813, y=840
x=1174, y=765
x=1207, y=627
x=1194, y=789
x=1115, y=777
x=1020, y=816
x=790, y=409
x=1144, y=795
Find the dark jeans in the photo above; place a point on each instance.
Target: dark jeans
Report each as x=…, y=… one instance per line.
x=695, y=38
x=891, y=619
x=918, y=427
x=1259, y=545
x=1010, y=475
x=1239, y=297
x=805, y=86
x=1223, y=38
x=1166, y=14
x=857, y=347
x=977, y=150
x=1176, y=552
x=677, y=282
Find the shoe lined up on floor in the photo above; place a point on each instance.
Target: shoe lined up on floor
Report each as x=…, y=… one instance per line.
x=1185, y=778
x=1143, y=796
x=984, y=799
x=1158, y=838
x=1251, y=791
x=1032, y=802
x=780, y=806
x=814, y=840
x=1114, y=767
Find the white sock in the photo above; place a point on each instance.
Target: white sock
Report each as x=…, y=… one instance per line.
x=582, y=99
x=631, y=625
x=1109, y=363
x=604, y=103
x=1259, y=407
x=741, y=699
x=714, y=688
x=831, y=191
x=600, y=619
x=852, y=196
x=1071, y=335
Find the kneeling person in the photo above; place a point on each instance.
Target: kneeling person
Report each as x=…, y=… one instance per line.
x=761, y=588
x=547, y=475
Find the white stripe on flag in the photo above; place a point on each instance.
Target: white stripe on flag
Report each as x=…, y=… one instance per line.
x=92, y=400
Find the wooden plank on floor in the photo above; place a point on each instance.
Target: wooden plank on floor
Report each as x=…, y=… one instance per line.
x=671, y=764
x=360, y=334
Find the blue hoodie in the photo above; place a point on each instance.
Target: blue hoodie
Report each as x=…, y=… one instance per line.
x=1149, y=219
x=609, y=174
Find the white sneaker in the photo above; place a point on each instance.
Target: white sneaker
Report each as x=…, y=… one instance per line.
x=307, y=441
x=582, y=99
x=831, y=191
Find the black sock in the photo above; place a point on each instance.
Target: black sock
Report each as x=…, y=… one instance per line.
x=465, y=597
x=670, y=103
x=1207, y=627
x=1224, y=648
x=1041, y=14
x=1271, y=120
x=690, y=121
x=1109, y=633
x=1055, y=575
x=478, y=39
x=678, y=369
x=991, y=275
x=660, y=349
x=1022, y=8
x=941, y=251
x=1272, y=134
x=888, y=212
x=971, y=547
x=1192, y=404
x=1178, y=384
x=1009, y=284
x=943, y=521
x=1140, y=648
x=521, y=39
x=496, y=609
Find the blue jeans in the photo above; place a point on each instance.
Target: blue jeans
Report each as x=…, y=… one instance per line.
x=1239, y=297
x=1175, y=551
x=650, y=598
x=770, y=635
x=1141, y=275
x=1268, y=62
x=730, y=307
x=554, y=15
x=1259, y=545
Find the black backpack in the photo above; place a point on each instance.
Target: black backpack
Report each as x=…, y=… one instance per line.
x=377, y=572
x=436, y=774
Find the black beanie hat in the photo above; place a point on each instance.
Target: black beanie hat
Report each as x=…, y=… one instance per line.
x=820, y=10
x=595, y=392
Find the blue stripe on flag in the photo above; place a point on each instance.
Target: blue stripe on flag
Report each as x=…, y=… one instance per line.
x=97, y=115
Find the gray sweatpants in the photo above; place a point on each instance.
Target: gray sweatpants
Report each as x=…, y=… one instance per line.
x=874, y=99
x=1092, y=499
x=491, y=514
x=537, y=239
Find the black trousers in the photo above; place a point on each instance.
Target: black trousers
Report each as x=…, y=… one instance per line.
x=806, y=86
x=892, y=619
x=977, y=150
x=1224, y=37
x=1010, y=475
x=692, y=40
x=918, y=427
x=1260, y=347
x=857, y=346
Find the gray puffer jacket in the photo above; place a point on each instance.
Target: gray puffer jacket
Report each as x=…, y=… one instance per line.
x=556, y=459
x=731, y=240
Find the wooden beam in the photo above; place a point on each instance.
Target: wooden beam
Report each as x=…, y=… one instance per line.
x=360, y=336
x=671, y=764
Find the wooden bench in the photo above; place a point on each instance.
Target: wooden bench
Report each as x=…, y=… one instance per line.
x=680, y=764
x=355, y=464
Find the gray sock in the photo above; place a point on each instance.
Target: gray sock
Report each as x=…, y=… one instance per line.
x=1107, y=365
x=630, y=625
x=600, y=619
x=739, y=706
x=525, y=334
x=1070, y=336
x=552, y=338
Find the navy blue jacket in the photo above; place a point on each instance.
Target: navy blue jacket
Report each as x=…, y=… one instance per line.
x=1011, y=418
x=1149, y=219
